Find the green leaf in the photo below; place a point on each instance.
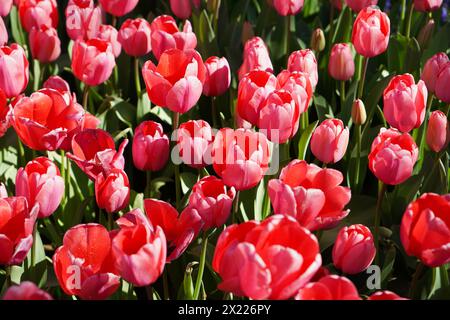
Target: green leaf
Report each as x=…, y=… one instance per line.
x=304, y=140
x=16, y=27
x=188, y=180
x=388, y=266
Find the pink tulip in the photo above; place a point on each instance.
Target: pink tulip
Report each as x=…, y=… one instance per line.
x=135, y=37
x=45, y=44
x=118, y=8
x=5, y=7
x=341, y=65
x=438, y=131
x=288, y=7
x=442, y=81
x=59, y=84
x=331, y=287
x=329, y=141
x=26, y=291
x=354, y=249
x=165, y=35
x=405, y=102
x=427, y=5
x=13, y=70
x=256, y=57
x=358, y=5
x=40, y=182
x=218, y=77
x=299, y=85
x=432, y=68
x=112, y=190
x=392, y=156
x=83, y=22
x=3, y=33
x=35, y=13
x=183, y=8
x=304, y=61
x=194, y=142
x=150, y=147
x=92, y=61
x=109, y=33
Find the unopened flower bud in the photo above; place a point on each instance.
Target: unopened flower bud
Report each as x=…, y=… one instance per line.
x=425, y=34
x=318, y=40
x=359, y=115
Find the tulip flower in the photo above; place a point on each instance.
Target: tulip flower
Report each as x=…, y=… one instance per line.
x=150, y=147
x=165, y=35
x=13, y=70
x=59, y=84
x=427, y=5
x=180, y=230
x=256, y=57
x=26, y=291
x=118, y=8
x=240, y=157
x=442, y=81
x=341, y=65
x=271, y=259
x=370, y=33
x=45, y=44
x=310, y=194
x=438, y=131
x=46, y=120
x=299, y=85
x=354, y=249
x=139, y=249
x=385, y=295
x=392, y=156
x=40, y=182
x=432, y=68
x=194, y=142
x=109, y=33
x=84, y=264
x=331, y=287
x=359, y=115
x=329, y=141
x=92, y=61
x=177, y=81
x=135, y=37
x=288, y=7
x=112, y=190
x=253, y=90
x=3, y=33
x=405, y=102
x=304, y=61
x=17, y=221
x=213, y=201
x=183, y=8
x=35, y=13
x=217, y=77
x=83, y=22
x=425, y=229
x=5, y=7
x=358, y=5
x=5, y=114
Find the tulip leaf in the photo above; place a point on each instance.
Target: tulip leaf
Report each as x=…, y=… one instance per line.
x=304, y=140
x=188, y=180
x=16, y=27
x=440, y=42
x=388, y=266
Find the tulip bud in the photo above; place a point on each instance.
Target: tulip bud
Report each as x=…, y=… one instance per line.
x=134, y=36
x=318, y=40
x=438, y=131
x=359, y=115
x=112, y=190
x=341, y=65
x=329, y=141
x=425, y=34
x=26, y=291
x=45, y=44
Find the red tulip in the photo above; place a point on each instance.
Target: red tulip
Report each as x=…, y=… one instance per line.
x=240, y=157
x=150, y=147
x=299, y=85
x=427, y=5
x=385, y=295
x=112, y=190
x=432, y=68
x=180, y=230
x=26, y=291
x=34, y=13
x=166, y=35
x=41, y=183
x=92, y=61
x=84, y=264
x=135, y=37
x=118, y=8
x=329, y=141
x=304, y=61
x=5, y=7
x=83, y=21
x=310, y=194
x=288, y=7
x=256, y=57
x=110, y=34
x=46, y=120
x=271, y=259
x=139, y=249
x=442, y=81
x=194, y=142
x=253, y=91
x=405, y=102
x=218, y=77
x=341, y=65
x=45, y=44
x=94, y=151
x=177, y=81
x=329, y=288
x=16, y=227
x=13, y=70
x=183, y=8
x=213, y=201
x=358, y=5
x=425, y=229
x=354, y=249
x=370, y=34
x=3, y=33
x=438, y=131
x=5, y=114
x=392, y=156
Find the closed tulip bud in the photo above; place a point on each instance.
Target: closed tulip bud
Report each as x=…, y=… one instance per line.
x=358, y=5
x=288, y=7
x=370, y=34
x=112, y=190
x=183, y=8
x=3, y=33
x=118, y=8
x=432, y=68
x=304, y=61
x=427, y=5
x=256, y=57
x=14, y=70
x=329, y=141
x=135, y=37
x=442, y=81
x=354, y=249
x=109, y=33
x=341, y=65
x=331, y=287
x=26, y=291
x=5, y=7
x=41, y=183
x=150, y=147
x=425, y=34
x=35, y=13
x=218, y=77
x=317, y=40
x=438, y=131
x=359, y=114
x=45, y=44
x=247, y=32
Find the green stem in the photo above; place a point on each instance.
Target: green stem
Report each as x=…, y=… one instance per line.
x=358, y=155
x=287, y=34
x=266, y=204
x=444, y=276
x=110, y=221
x=342, y=94
x=148, y=187
x=234, y=218
x=21, y=159
x=214, y=111
x=408, y=20
x=201, y=267
x=419, y=270
x=137, y=78
x=33, y=247
x=35, y=78
x=175, y=122
x=166, y=285
x=8, y=276
x=85, y=97
x=362, y=78
x=403, y=13
x=382, y=191
x=425, y=123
